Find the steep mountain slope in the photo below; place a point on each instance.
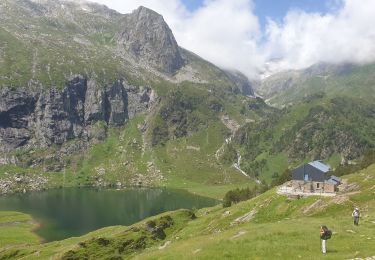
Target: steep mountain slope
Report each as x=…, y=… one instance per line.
x=147, y=37
x=46, y=42
x=269, y=226
x=338, y=130
x=100, y=97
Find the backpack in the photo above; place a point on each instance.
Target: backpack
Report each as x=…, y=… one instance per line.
x=327, y=233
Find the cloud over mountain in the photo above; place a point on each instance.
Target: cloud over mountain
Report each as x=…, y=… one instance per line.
x=227, y=33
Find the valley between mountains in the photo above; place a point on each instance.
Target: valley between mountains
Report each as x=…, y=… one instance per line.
x=92, y=98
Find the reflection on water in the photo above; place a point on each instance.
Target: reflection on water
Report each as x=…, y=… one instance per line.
x=73, y=212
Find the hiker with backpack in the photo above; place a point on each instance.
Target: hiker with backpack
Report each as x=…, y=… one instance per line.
x=325, y=234
x=355, y=216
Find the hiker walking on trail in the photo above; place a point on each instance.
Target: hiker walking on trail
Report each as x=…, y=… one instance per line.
x=325, y=234
x=356, y=216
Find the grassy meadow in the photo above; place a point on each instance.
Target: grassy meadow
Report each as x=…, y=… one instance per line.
x=269, y=226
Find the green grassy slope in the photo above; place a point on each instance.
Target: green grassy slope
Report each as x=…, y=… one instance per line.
x=326, y=113
x=283, y=228
x=269, y=226
x=336, y=130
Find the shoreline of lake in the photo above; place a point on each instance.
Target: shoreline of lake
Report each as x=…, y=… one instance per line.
x=67, y=212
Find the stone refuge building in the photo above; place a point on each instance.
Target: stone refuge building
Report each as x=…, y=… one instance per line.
x=314, y=177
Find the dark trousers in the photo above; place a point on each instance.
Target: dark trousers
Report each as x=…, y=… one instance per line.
x=356, y=221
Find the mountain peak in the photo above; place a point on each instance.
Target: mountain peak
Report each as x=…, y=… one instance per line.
x=142, y=10
x=148, y=38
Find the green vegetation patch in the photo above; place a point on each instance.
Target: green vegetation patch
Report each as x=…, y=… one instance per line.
x=16, y=229
x=319, y=128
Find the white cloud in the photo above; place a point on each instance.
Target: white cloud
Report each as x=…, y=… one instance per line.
x=224, y=32
x=227, y=33
x=303, y=39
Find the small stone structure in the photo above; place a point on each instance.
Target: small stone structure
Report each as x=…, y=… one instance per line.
x=313, y=186
x=295, y=189
x=313, y=178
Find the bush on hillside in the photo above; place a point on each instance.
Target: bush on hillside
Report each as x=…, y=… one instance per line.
x=238, y=195
x=280, y=179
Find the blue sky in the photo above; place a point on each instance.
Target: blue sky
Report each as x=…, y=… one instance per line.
x=192, y=5
x=277, y=9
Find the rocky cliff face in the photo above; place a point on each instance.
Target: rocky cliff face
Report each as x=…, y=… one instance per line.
x=147, y=37
x=45, y=117
x=45, y=42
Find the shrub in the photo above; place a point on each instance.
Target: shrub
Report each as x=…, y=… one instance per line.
x=280, y=179
x=237, y=195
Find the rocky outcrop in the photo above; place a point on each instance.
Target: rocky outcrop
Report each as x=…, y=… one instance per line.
x=147, y=37
x=116, y=105
x=46, y=117
x=94, y=102
x=59, y=115
x=15, y=109
x=22, y=183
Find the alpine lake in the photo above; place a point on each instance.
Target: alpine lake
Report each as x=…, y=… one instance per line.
x=71, y=212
